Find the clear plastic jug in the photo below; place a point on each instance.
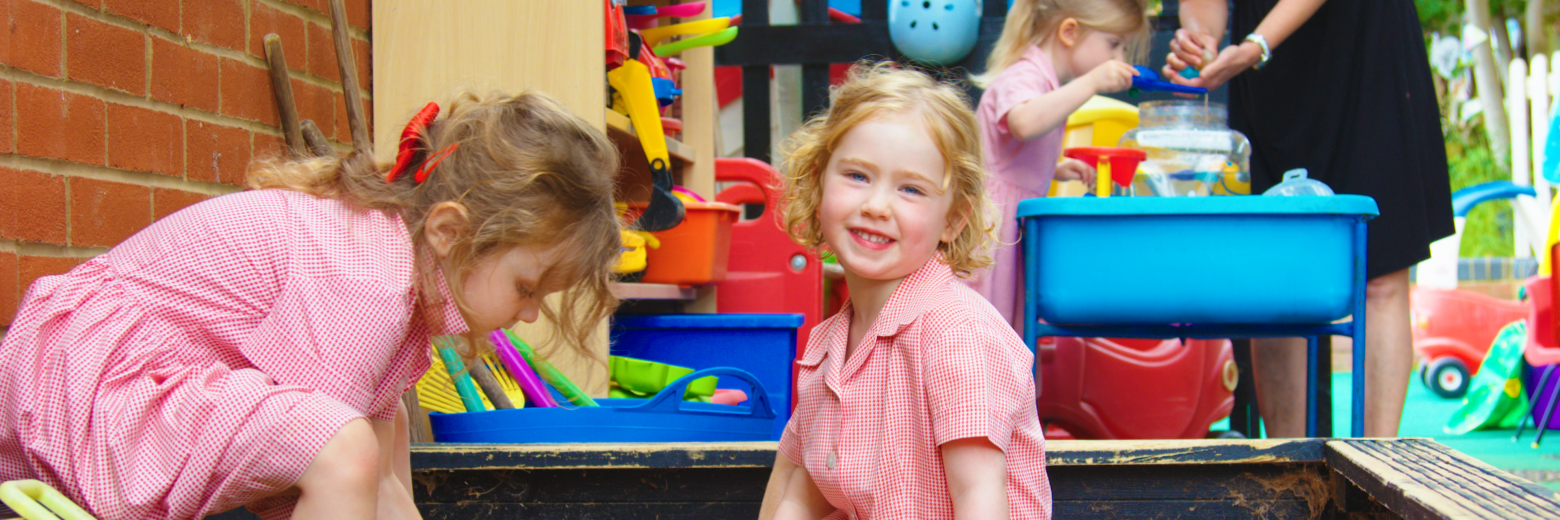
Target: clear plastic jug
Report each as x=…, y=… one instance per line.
x=1192, y=152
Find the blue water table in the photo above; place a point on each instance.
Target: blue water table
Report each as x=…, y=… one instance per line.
x=1200, y=267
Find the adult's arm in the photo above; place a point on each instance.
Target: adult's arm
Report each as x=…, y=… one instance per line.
x=1202, y=26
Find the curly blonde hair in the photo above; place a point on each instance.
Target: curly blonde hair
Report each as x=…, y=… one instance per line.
x=874, y=90
x=527, y=171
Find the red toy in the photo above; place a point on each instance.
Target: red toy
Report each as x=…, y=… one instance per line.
x=1105, y=388
x=1453, y=330
x=767, y=271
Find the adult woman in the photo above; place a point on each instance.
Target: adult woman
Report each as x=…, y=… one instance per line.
x=1342, y=89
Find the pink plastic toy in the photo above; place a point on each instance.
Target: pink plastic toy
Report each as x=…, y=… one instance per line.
x=535, y=391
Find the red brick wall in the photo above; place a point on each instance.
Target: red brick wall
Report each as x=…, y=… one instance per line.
x=114, y=113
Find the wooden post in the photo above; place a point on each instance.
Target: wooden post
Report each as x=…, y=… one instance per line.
x=1516, y=102
x=1486, y=74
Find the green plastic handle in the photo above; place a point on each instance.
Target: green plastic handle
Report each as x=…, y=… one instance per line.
x=712, y=39
x=463, y=383
x=549, y=373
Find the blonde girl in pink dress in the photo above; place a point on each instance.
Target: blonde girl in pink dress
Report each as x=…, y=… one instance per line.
x=251, y=349
x=916, y=399
x=1052, y=57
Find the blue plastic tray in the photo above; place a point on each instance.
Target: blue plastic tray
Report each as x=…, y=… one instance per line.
x=762, y=344
x=1235, y=259
x=663, y=418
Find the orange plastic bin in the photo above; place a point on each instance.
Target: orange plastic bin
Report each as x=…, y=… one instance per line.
x=696, y=251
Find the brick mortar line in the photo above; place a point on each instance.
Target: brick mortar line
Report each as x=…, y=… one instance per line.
x=311, y=16
x=44, y=249
x=121, y=98
x=121, y=21
x=108, y=174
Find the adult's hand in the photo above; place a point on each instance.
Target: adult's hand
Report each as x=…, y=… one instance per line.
x=1233, y=60
x=1191, y=48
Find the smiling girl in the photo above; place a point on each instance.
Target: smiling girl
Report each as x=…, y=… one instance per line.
x=916, y=400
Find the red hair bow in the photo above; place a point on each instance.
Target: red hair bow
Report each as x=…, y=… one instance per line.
x=410, y=138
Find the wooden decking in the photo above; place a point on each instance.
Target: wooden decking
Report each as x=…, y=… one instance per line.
x=1299, y=478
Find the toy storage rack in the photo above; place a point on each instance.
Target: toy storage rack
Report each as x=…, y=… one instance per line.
x=1034, y=329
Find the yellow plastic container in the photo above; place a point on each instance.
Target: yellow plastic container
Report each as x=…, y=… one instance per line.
x=1099, y=122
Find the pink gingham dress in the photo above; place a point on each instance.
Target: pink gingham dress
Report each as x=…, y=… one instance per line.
x=1019, y=170
x=938, y=365
x=202, y=363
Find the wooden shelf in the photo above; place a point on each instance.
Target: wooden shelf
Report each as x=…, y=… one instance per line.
x=677, y=149
x=653, y=291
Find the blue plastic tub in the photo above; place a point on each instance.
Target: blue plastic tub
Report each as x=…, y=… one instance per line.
x=663, y=418
x=1160, y=260
x=762, y=344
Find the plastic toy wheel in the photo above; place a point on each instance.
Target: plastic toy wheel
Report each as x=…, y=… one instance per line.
x=1447, y=377
x=1421, y=374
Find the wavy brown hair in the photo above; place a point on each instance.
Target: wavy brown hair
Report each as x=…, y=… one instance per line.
x=527, y=172
x=873, y=90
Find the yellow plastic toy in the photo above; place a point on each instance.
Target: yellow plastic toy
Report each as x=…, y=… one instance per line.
x=435, y=391
x=634, y=251
x=1099, y=122
x=35, y=500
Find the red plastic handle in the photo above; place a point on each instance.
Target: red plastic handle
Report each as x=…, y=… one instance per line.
x=1123, y=161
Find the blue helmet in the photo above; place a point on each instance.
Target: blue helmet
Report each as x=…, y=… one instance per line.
x=939, y=32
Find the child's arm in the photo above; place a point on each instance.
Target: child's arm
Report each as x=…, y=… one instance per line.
x=1044, y=113
x=977, y=478
x=791, y=493
x=395, y=494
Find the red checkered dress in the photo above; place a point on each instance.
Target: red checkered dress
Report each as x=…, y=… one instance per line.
x=200, y=364
x=939, y=364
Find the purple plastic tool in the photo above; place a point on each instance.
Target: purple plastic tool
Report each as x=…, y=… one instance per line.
x=535, y=391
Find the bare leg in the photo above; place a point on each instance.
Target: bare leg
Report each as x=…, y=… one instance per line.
x=343, y=479
x=1279, y=366
x=1389, y=357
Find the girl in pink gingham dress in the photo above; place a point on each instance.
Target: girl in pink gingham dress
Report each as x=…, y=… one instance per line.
x=916, y=399
x=1052, y=57
x=226, y=355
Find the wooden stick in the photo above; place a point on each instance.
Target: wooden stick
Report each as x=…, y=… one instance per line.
x=349, y=80
x=416, y=418
x=316, y=140
x=282, y=87
x=495, y=393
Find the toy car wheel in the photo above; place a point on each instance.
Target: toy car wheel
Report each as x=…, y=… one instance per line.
x=1422, y=374
x=1448, y=377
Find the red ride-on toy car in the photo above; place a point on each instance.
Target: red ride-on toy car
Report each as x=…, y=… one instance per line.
x=1452, y=331
x=1108, y=388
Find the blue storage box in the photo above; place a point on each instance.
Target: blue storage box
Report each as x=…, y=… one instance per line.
x=663, y=418
x=1161, y=260
x=762, y=344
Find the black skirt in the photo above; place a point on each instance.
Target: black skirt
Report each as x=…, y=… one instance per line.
x=1349, y=97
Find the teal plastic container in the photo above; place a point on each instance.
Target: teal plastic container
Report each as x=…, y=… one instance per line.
x=1228, y=260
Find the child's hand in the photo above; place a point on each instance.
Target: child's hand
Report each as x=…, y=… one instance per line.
x=1111, y=77
x=1075, y=170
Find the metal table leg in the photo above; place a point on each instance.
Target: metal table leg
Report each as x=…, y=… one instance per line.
x=1357, y=411
x=1310, y=386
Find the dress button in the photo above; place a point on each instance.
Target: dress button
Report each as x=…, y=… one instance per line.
x=831, y=460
